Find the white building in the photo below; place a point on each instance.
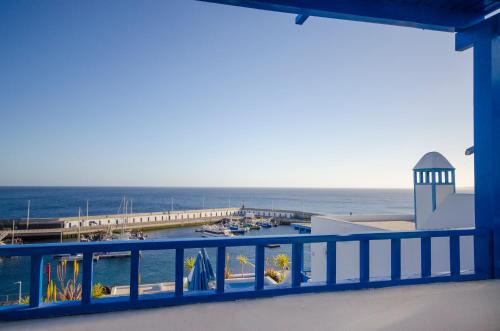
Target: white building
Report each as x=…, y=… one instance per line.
x=437, y=206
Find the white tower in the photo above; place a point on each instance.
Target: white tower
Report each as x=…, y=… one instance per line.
x=434, y=181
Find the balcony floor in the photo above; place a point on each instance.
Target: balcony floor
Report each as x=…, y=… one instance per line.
x=452, y=306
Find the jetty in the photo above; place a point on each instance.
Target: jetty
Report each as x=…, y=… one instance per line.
x=72, y=227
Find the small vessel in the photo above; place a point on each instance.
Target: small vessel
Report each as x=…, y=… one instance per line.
x=273, y=245
x=215, y=229
x=265, y=225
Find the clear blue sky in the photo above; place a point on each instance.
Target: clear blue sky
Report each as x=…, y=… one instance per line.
x=186, y=93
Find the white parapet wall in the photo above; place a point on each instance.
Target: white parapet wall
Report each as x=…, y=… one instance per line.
x=149, y=217
x=380, y=254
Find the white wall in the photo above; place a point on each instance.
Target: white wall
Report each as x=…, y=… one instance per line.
x=423, y=202
x=150, y=217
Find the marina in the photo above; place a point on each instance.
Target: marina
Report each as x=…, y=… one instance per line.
x=71, y=227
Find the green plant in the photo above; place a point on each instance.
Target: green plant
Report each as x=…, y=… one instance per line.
x=227, y=273
x=51, y=295
x=242, y=260
x=69, y=290
x=189, y=263
x=98, y=290
x=281, y=261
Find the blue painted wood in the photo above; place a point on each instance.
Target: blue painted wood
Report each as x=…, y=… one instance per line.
x=364, y=261
x=300, y=19
x=395, y=259
x=425, y=257
x=297, y=264
x=486, y=42
x=259, y=267
x=455, y=255
x=87, y=278
x=179, y=297
x=432, y=15
x=179, y=272
x=134, y=275
x=221, y=266
x=121, y=246
x=331, y=262
x=36, y=280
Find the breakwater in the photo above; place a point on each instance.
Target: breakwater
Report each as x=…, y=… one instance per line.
x=67, y=227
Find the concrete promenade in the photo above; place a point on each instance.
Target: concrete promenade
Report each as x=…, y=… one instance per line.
x=452, y=306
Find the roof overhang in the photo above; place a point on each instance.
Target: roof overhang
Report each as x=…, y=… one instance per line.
x=441, y=15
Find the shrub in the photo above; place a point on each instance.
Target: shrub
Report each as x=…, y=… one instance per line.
x=189, y=263
x=98, y=290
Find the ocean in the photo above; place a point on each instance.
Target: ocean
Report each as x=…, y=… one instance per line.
x=157, y=266
x=65, y=201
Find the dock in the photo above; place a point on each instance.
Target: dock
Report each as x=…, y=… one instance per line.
x=72, y=227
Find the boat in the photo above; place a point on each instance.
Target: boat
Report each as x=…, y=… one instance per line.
x=254, y=227
x=273, y=245
x=214, y=229
x=238, y=231
x=264, y=225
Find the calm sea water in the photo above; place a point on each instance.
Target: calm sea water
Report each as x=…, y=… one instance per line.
x=65, y=201
x=158, y=266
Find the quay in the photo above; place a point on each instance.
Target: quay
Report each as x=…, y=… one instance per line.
x=67, y=227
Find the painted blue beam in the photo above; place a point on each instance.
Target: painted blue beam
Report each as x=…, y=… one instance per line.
x=485, y=38
x=221, y=268
x=134, y=275
x=297, y=264
x=364, y=261
x=36, y=280
x=425, y=257
x=300, y=19
x=87, y=278
x=121, y=246
x=396, y=259
x=259, y=267
x=455, y=256
x=331, y=263
x=408, y=14
x=179, y=272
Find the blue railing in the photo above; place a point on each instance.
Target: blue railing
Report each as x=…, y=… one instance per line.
x=37, y=308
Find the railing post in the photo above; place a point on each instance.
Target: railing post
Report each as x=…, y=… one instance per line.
x=134, y=275
x=87, y=276
x=221, y=267
x=259, y=267
x=331, y=262
x=179, y=272
x=364, y=261
x=297, y=263
x=425, y=257
x=395, y=259
x=454, y=256
x=36, y=280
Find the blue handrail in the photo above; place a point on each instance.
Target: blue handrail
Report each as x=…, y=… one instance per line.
x=88, y=305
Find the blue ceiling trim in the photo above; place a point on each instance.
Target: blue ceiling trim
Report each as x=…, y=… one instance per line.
x=441, y=15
